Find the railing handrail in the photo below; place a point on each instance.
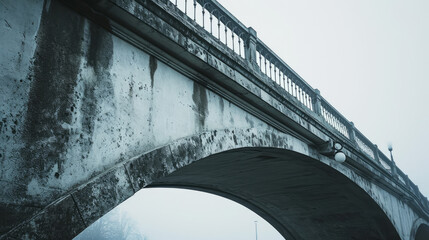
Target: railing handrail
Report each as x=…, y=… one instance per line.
x=217, y=6
x=285, y=65
x=335, y=110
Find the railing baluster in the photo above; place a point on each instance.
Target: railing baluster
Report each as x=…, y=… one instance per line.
x=287, y=84
x=218, y=27
x=239, y=46
x=232, y=35
x=284, y=81
x=305, y=98
x=203, y=16
x=211, y=23
x=275, y=74
x=226, y=35
x=336, y=123
x=296, y=90
x=292, y=84
x=303, y=95
x=308, y=101
x=328, y=115
x=265, y=59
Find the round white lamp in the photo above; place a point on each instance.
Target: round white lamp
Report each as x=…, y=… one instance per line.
x=340, y=157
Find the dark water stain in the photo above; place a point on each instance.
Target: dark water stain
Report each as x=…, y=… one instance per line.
x=131, y=88
x=99, y=57
x=21, y=51
x=100, y=48
x=55, y=69
x=199, y=96
x=153, y=65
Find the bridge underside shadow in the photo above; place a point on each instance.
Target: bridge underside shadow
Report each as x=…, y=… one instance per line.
x=302, y=198
x=422, y=232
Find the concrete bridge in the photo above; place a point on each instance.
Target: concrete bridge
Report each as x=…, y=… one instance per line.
x=101, y=98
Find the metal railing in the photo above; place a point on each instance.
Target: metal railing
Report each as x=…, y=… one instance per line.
x=229, y=31
x=278, y=71
x=216, y=20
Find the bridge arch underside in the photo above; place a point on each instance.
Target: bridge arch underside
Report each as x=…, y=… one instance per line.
x=301, y=197
x=303, y=194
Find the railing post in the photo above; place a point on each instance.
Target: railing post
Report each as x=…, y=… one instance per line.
x=376, y=156
x=250, y=48
x=392, y=164
x=394, y=171
x=317, y=102
x=352, y=133
x=407, y=181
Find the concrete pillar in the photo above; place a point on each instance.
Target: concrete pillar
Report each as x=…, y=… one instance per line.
x=250, y=48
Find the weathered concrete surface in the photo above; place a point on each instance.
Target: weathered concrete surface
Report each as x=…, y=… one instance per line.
x=76, y=100
x=87, y=119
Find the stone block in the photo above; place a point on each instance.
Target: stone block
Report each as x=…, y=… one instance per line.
x=150, y=166
x=60, y=220
x=103, y=194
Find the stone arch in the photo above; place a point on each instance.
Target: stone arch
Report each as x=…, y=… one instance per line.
x=312, y=200
x=72, y=213
x=420, y=230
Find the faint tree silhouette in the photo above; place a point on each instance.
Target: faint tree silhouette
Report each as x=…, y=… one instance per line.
x=115, y=225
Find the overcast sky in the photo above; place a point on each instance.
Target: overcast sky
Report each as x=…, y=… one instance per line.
x=369, y=59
